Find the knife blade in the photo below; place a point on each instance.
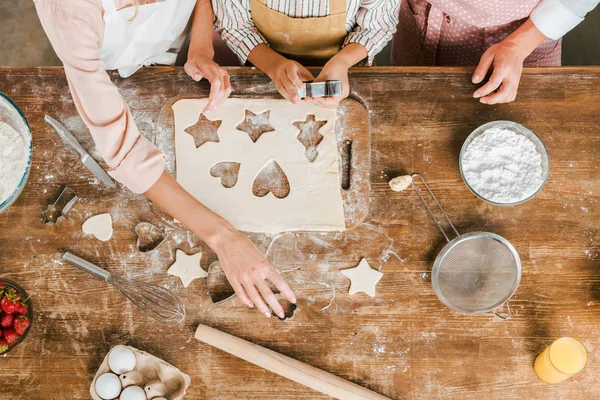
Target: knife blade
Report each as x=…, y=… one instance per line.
x=86, y=159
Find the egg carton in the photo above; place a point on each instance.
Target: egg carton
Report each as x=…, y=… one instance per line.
x=152, y=369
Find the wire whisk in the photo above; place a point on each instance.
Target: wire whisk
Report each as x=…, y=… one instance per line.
x=156, y=301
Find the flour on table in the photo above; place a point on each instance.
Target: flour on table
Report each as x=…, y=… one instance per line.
x=503, y=166
x=13, y=160
x=314, y=201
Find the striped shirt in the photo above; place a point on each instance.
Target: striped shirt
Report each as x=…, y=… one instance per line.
x=370, y=23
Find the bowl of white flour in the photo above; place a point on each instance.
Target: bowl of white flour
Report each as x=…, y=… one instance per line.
x=504, y=163
x=15, y=152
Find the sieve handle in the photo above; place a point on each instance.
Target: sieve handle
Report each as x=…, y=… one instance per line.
x=508, y=312
x=439, y=205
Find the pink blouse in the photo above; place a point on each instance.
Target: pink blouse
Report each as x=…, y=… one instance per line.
x=76, y=29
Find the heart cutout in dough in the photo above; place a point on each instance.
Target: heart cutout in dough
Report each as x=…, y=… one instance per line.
x=100, y=226
x=149, y=237
x=228, y=172
x=271, y=179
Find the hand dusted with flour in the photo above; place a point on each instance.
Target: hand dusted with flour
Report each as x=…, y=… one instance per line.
x=503, y=166
x=13, y=159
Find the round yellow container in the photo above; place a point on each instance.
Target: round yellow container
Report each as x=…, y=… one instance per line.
x=561, y=360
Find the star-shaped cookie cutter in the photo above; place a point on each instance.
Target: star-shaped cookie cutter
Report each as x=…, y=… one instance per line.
x=57, y=211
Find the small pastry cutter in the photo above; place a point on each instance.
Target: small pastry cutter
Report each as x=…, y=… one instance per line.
x=320, y=89
x=57, y=212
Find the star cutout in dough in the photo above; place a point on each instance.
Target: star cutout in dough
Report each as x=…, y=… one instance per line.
x=255, y=124
x=204, y=130
x=309, y=135
x=363, y=278
x=187, y=267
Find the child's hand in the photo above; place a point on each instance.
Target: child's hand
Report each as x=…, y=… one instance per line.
x=220, y=86
x=247, y=270
x=288, y=76
x=332, y=71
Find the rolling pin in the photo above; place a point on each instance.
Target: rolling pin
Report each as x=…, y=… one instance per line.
x=287, y=367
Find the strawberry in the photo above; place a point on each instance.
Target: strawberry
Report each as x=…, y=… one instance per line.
x=3, y=346
x=21, y=324
x=10, y=301
x=6, y=320
x=22, y=309
x=10, y=335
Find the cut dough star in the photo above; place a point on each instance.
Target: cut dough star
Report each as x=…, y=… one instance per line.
x=363, y=278
x=204, y=130
x=187, y=267
x=255, y=124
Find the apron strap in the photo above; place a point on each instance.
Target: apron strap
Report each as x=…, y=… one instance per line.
x=109, y=6
x=337, y=7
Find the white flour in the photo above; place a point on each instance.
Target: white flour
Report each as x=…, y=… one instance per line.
x=13, y=159
x=503, y=166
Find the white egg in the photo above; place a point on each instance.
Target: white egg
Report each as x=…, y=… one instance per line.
x=108, y=386
x=121, y=360
x=133, y=393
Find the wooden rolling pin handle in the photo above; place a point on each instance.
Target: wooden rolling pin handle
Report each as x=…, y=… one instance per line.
x=287, y=367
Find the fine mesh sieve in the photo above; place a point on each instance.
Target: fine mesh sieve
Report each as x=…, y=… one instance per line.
x=474, y=273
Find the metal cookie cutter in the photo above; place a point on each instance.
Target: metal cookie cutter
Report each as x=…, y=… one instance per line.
x=320, y=89
x=57, y=211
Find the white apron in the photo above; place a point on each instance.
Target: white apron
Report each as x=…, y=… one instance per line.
x=154, y=36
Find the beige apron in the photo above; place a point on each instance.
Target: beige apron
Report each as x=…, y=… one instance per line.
x=310, y=41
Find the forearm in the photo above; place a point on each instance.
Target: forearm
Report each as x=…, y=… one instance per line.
x=527, y=37
x=202, y=27
x=177, y=202
x=350, y=55
x=266, y=59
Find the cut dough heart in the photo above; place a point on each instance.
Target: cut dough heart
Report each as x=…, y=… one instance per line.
x=255, y=124
x=149, y=237
x=227, y=171
x=204, y=130
x=100, y=226
x=309, y=135
x=271, y=179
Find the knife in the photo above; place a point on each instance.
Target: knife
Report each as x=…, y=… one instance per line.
x=86, y=159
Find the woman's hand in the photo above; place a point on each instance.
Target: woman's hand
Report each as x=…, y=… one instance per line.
x=220, y=87
x=507, y=59
x=332, y=71
x=248, y=271
x=288, y=77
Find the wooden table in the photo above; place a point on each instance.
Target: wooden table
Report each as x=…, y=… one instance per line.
x=404, y=343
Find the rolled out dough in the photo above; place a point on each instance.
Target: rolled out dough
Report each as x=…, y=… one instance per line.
x=315, y=200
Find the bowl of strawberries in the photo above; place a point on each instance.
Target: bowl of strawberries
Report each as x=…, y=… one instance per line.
x=16, y=313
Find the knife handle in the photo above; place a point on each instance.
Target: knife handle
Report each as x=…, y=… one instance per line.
x=65, y=135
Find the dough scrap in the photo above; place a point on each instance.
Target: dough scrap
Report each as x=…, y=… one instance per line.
x=100, y=226
x=315, y=200
x=363, y=278
x=400, y=183
x=187, y=267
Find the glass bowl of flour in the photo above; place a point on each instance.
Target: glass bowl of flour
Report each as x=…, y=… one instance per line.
x=504, y=163
x=15, y=152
